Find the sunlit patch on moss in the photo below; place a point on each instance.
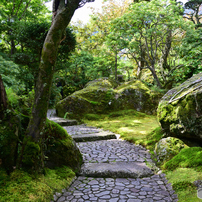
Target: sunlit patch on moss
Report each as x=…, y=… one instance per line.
x=130, y=124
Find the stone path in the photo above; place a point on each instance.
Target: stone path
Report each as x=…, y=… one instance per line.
x=113, y=170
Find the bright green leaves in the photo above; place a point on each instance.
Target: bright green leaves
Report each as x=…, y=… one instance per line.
x=191, y=51
x=10, y=73
x=146, y=30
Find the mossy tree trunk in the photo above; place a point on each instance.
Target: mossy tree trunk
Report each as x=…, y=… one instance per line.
x=37, y=121
x=3, y=99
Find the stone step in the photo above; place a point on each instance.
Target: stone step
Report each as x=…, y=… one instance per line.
x=104, y=135
x=116, y=170
x=51, y=115
x=64, y=122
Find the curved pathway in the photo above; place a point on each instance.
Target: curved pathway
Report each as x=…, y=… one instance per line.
x=113, y=170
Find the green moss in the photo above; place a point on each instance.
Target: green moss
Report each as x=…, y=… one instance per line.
x=187, y=158
x=135, y=84
x=31, y=154
x=99, y=97
x=130, y=124
x=151, y=139
x=34, y=188
x=183, y=185
x=10, y=130
x=60, y=147
x=92, y=116
x=182, y=182
x=179, y=111
x=167, y=148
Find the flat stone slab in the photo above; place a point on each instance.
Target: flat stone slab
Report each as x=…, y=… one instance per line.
x=64, y=122
x=82, y=129
x=51, y=115
x=93, y=136
x=116, y=170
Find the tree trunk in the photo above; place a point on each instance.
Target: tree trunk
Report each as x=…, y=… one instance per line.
x=155, y=76
x=3, y=99
x=43, y=85
x=166, y=51
x=115, y=67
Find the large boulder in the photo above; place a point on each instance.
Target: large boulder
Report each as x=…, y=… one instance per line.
x=60, y=148
x=136, y=95
x=102, y=95
x=94, y=98
x=180, y=110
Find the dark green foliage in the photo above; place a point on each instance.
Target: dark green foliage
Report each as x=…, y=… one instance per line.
x=31, y=36
x=66, y=47
x=187, y=158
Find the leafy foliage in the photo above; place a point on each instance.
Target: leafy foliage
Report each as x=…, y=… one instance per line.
x=146, y=33
x=10, y=74
x=191, y=51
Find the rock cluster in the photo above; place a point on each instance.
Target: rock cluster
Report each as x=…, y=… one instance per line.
x=102, y=95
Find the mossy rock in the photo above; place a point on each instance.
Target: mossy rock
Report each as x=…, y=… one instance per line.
x=101, y=96
x=94, y=98
x=137, y=95
x=61, y=149
x=167, y=148
x=180, y=110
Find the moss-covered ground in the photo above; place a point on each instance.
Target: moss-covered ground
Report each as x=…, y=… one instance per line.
x=130, y=124
x=23, y=187
x=181, y=171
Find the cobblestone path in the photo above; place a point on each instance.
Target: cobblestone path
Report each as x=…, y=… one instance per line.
x=113, y=170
